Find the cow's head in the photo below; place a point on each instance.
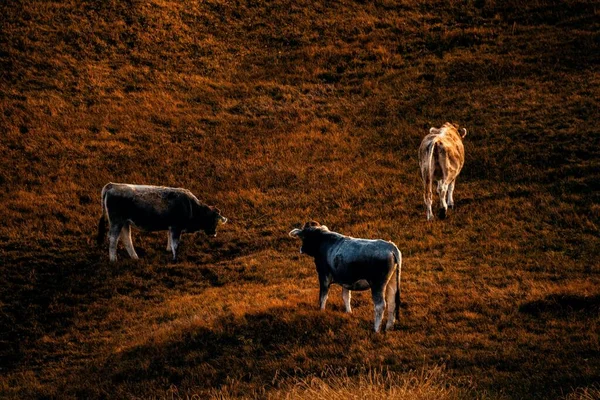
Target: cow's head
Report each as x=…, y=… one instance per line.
x=210, y=219
x=310, y=235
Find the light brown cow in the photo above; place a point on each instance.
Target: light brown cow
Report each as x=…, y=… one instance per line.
x=441, y=156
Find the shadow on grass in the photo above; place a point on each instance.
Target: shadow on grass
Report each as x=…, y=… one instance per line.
x=562, y=305
x=265, y=350
x=250, y=350
x=56, y=292
x=513, y=194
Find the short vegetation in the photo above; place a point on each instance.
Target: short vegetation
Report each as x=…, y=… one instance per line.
x=278, y=113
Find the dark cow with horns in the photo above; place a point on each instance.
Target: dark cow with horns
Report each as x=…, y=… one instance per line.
x=153, y=208
x=355, y=264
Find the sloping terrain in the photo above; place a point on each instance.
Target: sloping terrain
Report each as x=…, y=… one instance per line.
x=278, y=113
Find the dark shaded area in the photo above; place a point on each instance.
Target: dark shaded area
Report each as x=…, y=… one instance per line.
x=296, y=342
x=55, y=289
x=563, y=305
x=293, y=341
x=550, y=12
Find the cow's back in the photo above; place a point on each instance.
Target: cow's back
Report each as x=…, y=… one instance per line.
x=451, y=148
x=355, y=259
x=443, y=147
x=147, y=207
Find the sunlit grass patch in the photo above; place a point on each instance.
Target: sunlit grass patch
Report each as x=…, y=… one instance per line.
x=428, y=383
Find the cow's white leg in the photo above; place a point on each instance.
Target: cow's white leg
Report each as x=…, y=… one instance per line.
x=428, y=203
x=379, y=302
x=323, y=294
x=428, y=198
x=451, y=195
x=126, y=238
x=346, y=296
x=390, y=295
x=174, y=239
x=324, y=283
x=113, y=240
x=442, y=189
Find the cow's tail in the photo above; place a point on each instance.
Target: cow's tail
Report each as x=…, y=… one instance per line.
x=102, y=222
x=398, y=260
x=431, y=165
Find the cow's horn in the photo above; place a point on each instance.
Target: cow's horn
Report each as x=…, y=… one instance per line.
x=464, y=132
x=222, y=219
x=295, y=232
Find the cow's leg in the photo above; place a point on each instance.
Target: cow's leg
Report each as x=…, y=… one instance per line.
x=324, y=283
x=174, y=238
x=379, y=301
x=428, y=197
x=323, y=294
x=126, y=238
x=451, y=195
x=442, y=189
x=346, y=295
x=428, y=203
x=169, y=240
x=113, y=240
x=391, y=288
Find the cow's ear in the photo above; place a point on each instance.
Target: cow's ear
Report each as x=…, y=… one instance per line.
x=463, y=133
x=296, y=233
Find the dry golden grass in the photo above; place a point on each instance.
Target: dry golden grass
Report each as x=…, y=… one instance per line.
x=278, y=113
x=431, y=384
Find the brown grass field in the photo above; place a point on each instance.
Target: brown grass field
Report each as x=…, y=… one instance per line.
x=278, y=113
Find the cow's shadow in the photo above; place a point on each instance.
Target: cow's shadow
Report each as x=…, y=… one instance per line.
x=466, y=202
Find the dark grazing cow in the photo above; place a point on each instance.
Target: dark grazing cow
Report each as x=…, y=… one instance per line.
x=441, y=155
x=355, y=264
x=153, y=208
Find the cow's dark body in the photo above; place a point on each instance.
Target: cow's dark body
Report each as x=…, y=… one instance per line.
x=171, y=209
x=355, y=264
x=154, y=208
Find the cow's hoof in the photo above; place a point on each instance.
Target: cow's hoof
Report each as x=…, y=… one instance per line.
x=442, y=213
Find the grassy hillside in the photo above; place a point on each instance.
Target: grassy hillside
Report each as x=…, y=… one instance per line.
x=278, y=113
